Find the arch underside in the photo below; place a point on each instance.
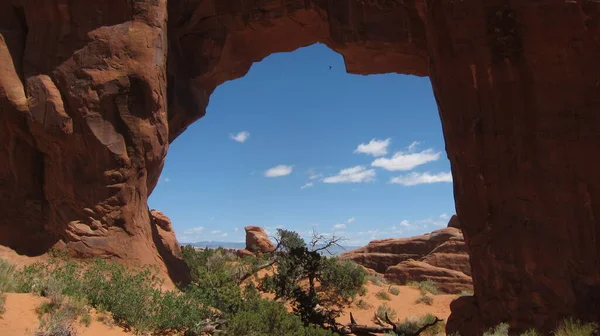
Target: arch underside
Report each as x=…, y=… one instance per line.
x=92, y=93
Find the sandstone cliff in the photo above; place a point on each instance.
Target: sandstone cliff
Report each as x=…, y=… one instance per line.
x=440, y=256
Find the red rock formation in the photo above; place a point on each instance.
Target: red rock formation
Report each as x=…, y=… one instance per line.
x=84, y=128
x=441, y=255
x=165, y=232
x=257, y=240
x=447, y=280
x=454, y=222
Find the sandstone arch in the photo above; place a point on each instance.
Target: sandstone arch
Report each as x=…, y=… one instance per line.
x=89, y=104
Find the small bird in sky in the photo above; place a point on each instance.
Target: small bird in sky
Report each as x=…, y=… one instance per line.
x=330, y=67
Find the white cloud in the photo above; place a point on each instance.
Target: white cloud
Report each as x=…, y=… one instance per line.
x=224, y=235
x=215, y=231
x=406, y=160
x=307, y=185
x=356, y=174
x=413, y=146
x=191, y=235
x=240, y=137
x=339, y=226
x=351, y=219
x=404, y=223
x=421, y=178
x=312, y=175
x=277, y=171
x=236, y=229
x=444, y=216
x=166, y=179
x=374, y=147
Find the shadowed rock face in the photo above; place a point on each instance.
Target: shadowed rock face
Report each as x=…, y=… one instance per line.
x=88, y=106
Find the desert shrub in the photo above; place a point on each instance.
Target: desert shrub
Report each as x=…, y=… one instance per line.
x=425, y=286
x=376, y=280
x=362, y=304
x=383, y=309
x=270, y=318
x=7, y=281
x=573, y=327
x=499, y=330
x=411, y=326
x=394, y=290
x=345, y=276
x=425, y=299
x=530, y=332
x=132, y=296
x=466, y=293
x=58, y=319
x=383, y=295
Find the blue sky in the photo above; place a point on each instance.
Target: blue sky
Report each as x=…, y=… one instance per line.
x=297, y=145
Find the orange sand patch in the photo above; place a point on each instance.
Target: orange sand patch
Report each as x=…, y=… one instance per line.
x=21, y=319
x=404, y=304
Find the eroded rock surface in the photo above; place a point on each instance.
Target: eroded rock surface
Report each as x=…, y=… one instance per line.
x=440, y=256
x=257, y=240
x=88, y=106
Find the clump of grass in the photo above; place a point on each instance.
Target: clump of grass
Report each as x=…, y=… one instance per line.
x=376, y=280
x=362, y=291
x=425, y=286
x=85, y=319
x=393, y=290
x=385, y=309
x=466, y=293
x=411, y=325
x=425, y=299
x=382, y=295
x=573, y=327
x=530, y=332
x=7, y=281
x=499, y=330
x=58, y=319
x=362, y=304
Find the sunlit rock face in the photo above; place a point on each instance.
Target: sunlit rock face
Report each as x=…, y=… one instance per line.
x=92, y=92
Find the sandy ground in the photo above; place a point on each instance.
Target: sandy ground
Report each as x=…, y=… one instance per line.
x=21, y=319
x=404, y=305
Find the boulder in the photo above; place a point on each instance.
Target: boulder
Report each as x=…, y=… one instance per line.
x=257, y=240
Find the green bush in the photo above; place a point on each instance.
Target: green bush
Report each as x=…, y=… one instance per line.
x=466, y=293
x=57, y=319
x=382, y=295
x=573, y=327
x=383, y=309
x=270, y=318
x=394, y=290
x=344, y=276
x=425, y=286
x=7, y=281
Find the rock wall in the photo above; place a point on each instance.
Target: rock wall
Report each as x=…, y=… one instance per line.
x=440, y=256
x=88, y=106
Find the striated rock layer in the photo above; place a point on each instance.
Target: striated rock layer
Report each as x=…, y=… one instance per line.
x=440, y=256
x=88, y=106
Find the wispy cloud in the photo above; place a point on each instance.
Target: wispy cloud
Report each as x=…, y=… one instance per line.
x=224, y=235
x=406, y=160
x=236, y=229
x=404, y=223
x=215, y=231
x=351, y=219
x=278, y=171
x=241, y=137
x=307, y=185
x=191, y=235
x=415, y=178
x=339, y=226
x=358, y=174
x=374, y=147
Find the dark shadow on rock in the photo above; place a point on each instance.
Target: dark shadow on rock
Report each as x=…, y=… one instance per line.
x=177, y=269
